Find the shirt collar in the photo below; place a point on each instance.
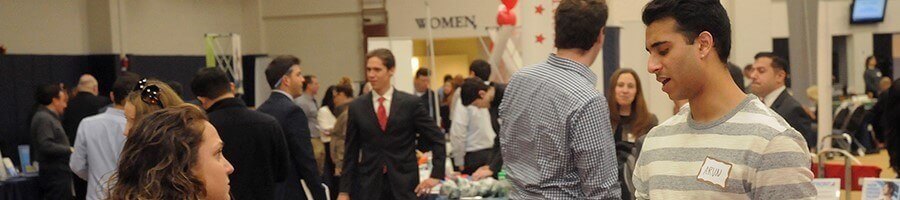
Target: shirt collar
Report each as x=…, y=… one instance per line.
x=284, y=93
x=387, y=95
x=115, y=111
x=770, y=98
x=571, y=65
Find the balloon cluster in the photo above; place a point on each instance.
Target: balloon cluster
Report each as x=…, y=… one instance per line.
x=505, y=13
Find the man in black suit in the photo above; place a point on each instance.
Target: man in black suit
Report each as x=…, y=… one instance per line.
x=85, y=103
x=420, y=84
x=285, y=78
x=256, y=146
x=380, y=161
x=769, y=76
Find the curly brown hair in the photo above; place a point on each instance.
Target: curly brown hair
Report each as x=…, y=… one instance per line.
x=158, y=157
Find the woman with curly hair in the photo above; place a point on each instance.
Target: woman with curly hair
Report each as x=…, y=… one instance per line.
x=173, y=153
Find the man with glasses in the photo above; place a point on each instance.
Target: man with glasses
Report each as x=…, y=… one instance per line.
x=285, y=77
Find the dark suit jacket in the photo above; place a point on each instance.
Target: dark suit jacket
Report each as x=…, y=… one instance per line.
x=792, y=112
x=296, y=133
x=50, y=144
x=255, y=146
x=81, y=106
x=370, y=150
x=429, y=100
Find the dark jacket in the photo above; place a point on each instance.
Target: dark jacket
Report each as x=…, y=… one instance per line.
x=50, y=143
x=792, y=112
x=255, y=146
x=370, y=150
x=296, y=133
x=497, y=159
x=83, y=105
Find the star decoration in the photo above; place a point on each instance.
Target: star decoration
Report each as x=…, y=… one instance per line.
x=539, y=9
x=539, y=38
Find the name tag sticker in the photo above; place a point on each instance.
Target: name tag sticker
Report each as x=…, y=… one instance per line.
x=714, y=172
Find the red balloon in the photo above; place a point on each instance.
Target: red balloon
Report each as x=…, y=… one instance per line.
x=510, y=3
x=506, y=17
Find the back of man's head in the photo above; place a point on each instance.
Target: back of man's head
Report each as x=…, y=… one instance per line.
x=210, y=83
x=279, y=66
x=87, y=83
x=579, y=22
x=470, y=88
x=122, y=87
x=481, y=68
x=693, y=17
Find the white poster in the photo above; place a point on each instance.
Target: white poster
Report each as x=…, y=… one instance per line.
x=537, y=29
x=449, y=18
x=880, y=189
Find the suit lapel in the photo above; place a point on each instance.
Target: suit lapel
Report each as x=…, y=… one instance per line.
x=777, y=103
x=369, y=108
x=395, y=105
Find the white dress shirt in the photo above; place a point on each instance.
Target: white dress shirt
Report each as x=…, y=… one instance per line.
x=473, y=134
x=387, y=100
x=770, y=98
x=98, y=144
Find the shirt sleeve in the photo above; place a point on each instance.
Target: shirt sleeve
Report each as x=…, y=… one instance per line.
x=458, y=131
x=594, y=151
x=782, y=171
x=78, y=159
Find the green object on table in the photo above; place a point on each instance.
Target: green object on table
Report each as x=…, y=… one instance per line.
x=501, y=175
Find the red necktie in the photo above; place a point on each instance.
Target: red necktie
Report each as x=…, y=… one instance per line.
x=382, y=114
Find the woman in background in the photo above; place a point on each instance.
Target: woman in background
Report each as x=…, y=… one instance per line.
x=146, y=97
x=628, y=112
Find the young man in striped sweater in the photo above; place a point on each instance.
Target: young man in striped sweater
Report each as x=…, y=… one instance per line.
x=724, y=144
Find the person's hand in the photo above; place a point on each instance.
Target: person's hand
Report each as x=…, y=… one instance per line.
x=343, y=196
x=482, y=172
x=425, y=187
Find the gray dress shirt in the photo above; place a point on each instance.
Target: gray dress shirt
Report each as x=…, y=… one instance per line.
x=308, y=104
x=557, y=142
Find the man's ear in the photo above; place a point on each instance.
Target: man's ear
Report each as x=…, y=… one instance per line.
x=482, y=94
x=112, y=97
x=706, y=43
x=601, y=36
x=232, y=87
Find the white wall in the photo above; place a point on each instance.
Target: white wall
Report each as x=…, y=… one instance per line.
x=325, y=35
x=860, y=36
x=44, y=26
x=176, y=27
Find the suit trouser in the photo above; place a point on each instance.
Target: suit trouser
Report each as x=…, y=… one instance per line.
x=319, y=153
x=477, y=159
x=55, y=184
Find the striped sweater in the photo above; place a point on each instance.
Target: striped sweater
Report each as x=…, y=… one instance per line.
x=769, y=158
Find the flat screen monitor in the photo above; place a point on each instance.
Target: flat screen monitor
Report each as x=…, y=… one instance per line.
x=867, y=11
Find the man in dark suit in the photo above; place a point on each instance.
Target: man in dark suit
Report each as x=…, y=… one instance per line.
x=50, y=144
x=769, y=76
x=380, y=161
x=285, y=78
x=420, y=84
x=85, y=103
x=256, y=145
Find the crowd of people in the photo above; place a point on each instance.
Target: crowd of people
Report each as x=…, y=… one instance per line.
x=549, y=130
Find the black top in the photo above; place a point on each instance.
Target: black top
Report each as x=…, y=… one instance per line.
x=255, y=146
x=296, y=132
x=792, y=112
x=81, y=106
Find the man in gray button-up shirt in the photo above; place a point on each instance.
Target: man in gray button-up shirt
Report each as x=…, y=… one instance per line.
x=557, y=141
x=310, y=107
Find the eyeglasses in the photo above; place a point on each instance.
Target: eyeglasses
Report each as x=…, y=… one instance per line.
x=149, y=94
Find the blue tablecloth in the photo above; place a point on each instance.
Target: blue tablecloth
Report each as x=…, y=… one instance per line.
x=20, y=188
